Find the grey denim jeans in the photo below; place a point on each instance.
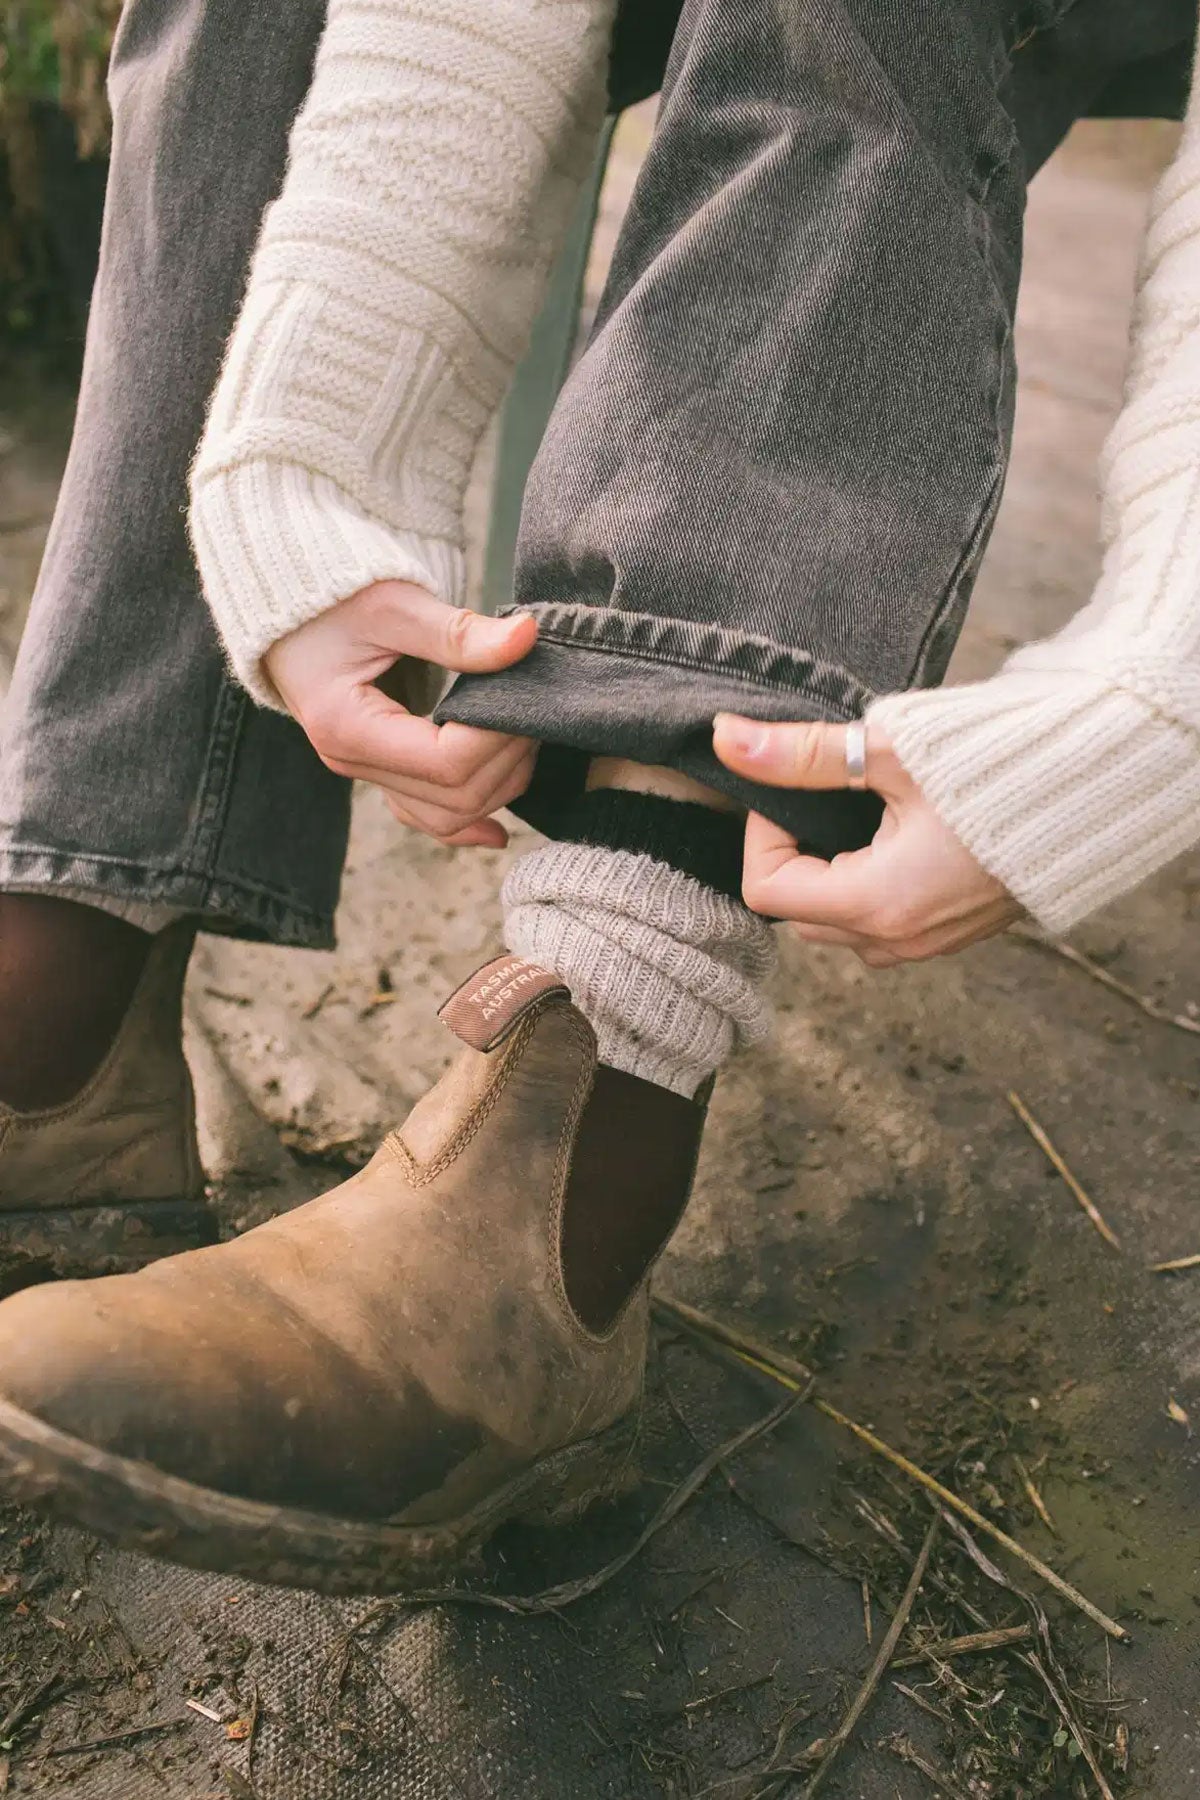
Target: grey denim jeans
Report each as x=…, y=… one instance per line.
x=767, y=484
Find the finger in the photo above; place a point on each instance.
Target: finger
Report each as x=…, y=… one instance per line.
x=413, y=622
x=434, y=821
x=368, y=732
x=958, y=934
x=782, y=884
x=829, y=934
x=484, y=834
x=803, y=755
x=487, y=834
x=875, y=957
x=475, y=796
x=445, y=817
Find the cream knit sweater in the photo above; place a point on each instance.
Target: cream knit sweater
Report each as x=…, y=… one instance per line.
x=433, y=171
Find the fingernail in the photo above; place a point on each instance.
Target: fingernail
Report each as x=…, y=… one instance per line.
x=746, y=736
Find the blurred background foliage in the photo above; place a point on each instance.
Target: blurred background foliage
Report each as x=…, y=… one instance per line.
x=54, y=129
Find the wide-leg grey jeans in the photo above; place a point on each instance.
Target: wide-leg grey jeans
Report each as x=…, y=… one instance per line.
x=767, y=484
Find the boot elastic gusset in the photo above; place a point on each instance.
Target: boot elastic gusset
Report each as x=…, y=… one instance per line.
x=111, y=1179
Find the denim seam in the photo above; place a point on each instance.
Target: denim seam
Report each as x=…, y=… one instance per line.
x=216, y=784
x=671, y=662
x=828, y=675
x=165, y=872
x=987, y=511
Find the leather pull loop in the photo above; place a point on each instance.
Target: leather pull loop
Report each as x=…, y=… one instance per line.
x=489, y=1006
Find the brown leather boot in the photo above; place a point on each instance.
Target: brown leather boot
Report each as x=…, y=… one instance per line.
x=360, y=1391
x=112, y=1178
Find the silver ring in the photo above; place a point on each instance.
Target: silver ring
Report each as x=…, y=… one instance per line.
x=856, y=754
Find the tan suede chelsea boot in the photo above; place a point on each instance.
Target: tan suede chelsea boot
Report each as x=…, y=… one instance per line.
x=111, y=1179
x=354, y=1395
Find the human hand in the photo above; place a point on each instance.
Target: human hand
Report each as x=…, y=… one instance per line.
x=913, y=893
x=445, y=780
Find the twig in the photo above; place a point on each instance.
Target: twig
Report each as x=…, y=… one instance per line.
x=1052, y=1155
x=966, y=1646
x=206, y=1712
x=880, y=1523
x=314, y=1006
x=252, y=1733
x=28, y=1704
x=115, y=1737
x=1175, y=1265
x=1072, y=1725
x=790, y=1373
x=1034, y=1497
x=935, y=1712
x=726, y=1693
x=908, y=1753
x=830, y=1748
x=1153, y=1009
x=868, y=1633
x=1029, y=1657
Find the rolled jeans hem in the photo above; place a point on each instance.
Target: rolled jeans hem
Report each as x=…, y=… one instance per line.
x=706, y=650
x=231, y=909
x=604, y=682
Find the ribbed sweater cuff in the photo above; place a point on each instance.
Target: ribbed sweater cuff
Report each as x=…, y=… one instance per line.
x=1067, y=788
x=279, y=545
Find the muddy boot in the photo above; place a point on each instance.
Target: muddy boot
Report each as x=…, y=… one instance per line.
x=111, y=1179
x=354, y=1395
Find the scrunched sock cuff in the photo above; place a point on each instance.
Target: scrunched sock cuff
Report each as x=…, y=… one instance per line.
x=671, y=974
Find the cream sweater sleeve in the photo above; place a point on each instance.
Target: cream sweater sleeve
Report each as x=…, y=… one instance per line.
x=1074, y=773
x=431, y=179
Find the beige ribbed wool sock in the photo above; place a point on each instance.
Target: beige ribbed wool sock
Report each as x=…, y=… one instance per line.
x=671, y=974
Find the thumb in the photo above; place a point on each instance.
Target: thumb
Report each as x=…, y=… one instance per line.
x=806, y=755
x=469, y=642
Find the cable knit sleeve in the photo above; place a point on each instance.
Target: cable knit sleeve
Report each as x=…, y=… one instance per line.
x=1074, y=773
x=431, y=179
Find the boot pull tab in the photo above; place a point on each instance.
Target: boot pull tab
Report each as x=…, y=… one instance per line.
x=489, y=1006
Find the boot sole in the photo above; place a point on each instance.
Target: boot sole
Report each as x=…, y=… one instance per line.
x=65, y=1242
x=136, y=1506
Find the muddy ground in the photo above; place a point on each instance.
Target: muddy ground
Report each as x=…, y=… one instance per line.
x=869, y=1200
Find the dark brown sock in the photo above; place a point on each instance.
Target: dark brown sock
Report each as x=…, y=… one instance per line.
x=67, y=975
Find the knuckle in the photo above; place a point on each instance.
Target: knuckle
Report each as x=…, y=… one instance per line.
x=456, y=628
x=892, y=922
x=753, y=891
x=475, y=794
x=455, y=768
x=514, y=787
x=326, y=732
x=325, y=742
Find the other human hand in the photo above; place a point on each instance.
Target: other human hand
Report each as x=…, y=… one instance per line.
x=914, y=892
x=445, y=780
